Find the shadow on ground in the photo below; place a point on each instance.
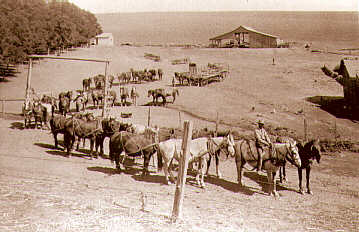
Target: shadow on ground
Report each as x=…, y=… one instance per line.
x=334, y=105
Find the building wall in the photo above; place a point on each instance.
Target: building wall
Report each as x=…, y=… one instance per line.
x=104, y=41
x=261, y=41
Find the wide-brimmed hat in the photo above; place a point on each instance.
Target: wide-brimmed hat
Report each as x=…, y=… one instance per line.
x=260, y=121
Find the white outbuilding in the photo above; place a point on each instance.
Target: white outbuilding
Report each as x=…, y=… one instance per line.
x=104, y=39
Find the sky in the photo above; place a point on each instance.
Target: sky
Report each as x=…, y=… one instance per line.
x=111, y=6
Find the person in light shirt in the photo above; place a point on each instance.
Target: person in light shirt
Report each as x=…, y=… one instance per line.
x=262, y=141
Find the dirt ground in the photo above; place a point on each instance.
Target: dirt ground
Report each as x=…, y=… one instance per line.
x=43, y=190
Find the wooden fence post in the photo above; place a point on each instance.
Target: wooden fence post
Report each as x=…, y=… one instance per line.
x=217, y=122
x=149, y=116
x=305, y=129
x=182, y=174
x=3, y=108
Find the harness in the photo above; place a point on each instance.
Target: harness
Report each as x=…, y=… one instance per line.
x=211, y=151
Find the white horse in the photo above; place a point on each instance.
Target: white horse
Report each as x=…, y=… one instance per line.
x=199, y=148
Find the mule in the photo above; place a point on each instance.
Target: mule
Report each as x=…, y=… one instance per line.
x=246, y=152
x=133, y=145
x=309, y=152
x=199, y=148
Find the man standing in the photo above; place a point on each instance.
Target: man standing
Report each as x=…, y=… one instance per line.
x=262, y=141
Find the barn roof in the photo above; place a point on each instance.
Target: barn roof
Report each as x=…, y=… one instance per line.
x=240, y=29
x=104, y=35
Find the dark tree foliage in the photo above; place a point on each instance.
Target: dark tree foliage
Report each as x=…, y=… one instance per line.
x=34, y=26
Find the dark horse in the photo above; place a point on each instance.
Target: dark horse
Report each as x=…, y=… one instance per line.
x=57, y=124
x=86, y=84
x=82, y=129
x=109, y=127
x=134, y=145
x=156, y=93
x=307, y=153
x=64, y=102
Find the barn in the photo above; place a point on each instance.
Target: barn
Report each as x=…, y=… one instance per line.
x=246, y=37
x=104, y=39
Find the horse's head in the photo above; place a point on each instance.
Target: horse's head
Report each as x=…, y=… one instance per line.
x=293, y=154
x=315, y=150
x=228, y=143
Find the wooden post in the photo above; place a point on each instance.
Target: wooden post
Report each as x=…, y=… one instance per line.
x=217, y=123
x=335, y=131
x=3, y=107
x=305, y=130
x=149, y=116
x=104, y=108
x=179, y=119
x=182, y=174
x=28, y=80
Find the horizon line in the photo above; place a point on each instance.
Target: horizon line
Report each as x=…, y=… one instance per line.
x=227, y=11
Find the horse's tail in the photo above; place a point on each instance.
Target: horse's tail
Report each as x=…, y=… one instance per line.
x=159, y=158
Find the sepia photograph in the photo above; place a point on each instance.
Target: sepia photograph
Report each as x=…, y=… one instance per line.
x=176, y=116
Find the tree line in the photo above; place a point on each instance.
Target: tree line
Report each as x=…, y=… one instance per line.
x=35, y=26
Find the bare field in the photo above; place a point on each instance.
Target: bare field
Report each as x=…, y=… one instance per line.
x=42, y=190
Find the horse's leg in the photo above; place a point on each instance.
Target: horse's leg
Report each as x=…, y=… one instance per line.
x=202, y=171
x=146, y=162
x=208, y=164
x=270, y=182
x=307, y=170
x=55, y=138
x=300, y=180
x=239, y=166
x=92, y=142
x=284, y=174
x=275, y=193
x=219, y=174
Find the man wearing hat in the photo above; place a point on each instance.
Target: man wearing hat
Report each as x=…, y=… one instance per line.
x=262, y=141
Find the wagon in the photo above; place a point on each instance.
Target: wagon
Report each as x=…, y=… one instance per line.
x=152, y=57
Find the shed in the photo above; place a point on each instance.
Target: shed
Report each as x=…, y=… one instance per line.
x=246, y=37
x=104, y=39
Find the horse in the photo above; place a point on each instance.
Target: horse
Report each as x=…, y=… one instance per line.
x=40, y=114
x=85, y=129
x=99, y=81
x=111, y=78
x=133, y=145
x=124, y=95
x=160, y=74
x=27, y=112
x=199, y=148
x=246, y=152
x=134, y=95
x=307, y=153
x=57, y=125
x=109, y=127
x=173, y=94
x=80, y=102
x=64, y=105
x=97, y=97
x=156, y=93
x=86, y=84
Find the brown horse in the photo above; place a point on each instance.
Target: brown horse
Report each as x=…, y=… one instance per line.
x=133, y=145
x=246, y=152
x=57, y=125
x=86, y=84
